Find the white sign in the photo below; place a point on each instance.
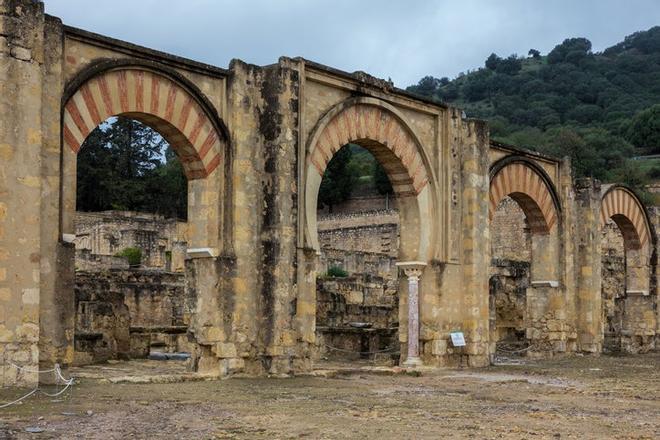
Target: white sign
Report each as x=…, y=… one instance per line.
x=457, y=339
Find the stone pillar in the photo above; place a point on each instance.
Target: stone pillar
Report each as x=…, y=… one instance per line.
x=546, y=305
x=588, y=266
x=21, y=76
x=413, y=270
x=475, y=244
x=637, y=270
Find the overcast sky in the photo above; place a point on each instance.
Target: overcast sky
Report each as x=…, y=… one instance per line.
x=402, y=40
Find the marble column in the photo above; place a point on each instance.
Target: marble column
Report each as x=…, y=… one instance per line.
x=413, y=270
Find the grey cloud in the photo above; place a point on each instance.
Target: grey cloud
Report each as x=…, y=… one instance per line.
x=404, y=40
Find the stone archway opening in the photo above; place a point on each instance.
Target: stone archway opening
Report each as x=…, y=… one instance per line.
x=625, y=273
x=524, y=272
x=357, y=301
x=613, y=285
x=130, y=247
x=374, y=127
x=510, y=277
x=143, y=298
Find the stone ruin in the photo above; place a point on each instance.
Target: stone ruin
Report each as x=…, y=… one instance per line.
x=255, y=142
x=124, y=311
x=357, y=316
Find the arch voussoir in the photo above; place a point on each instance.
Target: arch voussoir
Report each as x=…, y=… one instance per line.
x=173, y=111
x=377, y=130
x=623, y=207
x=525, y=185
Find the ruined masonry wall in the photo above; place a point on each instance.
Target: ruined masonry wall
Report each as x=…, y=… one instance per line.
x=375, y=232
x=122, y=313
x=162, y=241
x=510, y=236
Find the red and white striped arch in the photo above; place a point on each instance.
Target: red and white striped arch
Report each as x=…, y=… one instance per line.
x=624, y=208
x=382, y=129
x=384, y=135
x=155, y=100
x=524, y=184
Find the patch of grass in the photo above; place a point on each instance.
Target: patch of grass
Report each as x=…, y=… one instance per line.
x=133, y=255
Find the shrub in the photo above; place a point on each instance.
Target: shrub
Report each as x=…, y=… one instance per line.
x=133, y=255
x=337, y=272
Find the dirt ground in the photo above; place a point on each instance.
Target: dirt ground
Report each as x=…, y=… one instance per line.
x=578, y=397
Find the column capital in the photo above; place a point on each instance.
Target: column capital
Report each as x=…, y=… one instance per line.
x=412, y=269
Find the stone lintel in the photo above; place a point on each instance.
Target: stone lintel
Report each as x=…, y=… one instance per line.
x=637, y=292
x=202, y=252
x=545, y=283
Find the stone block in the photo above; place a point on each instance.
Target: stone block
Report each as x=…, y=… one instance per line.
x=438, y=347
x=288, y=338
x=213, y=334
x=208, y=365
x=21, y=53
x=28, y=333
x=30, y=296
x=355, y=297
x=231, y=366
x=559, y=346
x=6, y=335
x=225, y=350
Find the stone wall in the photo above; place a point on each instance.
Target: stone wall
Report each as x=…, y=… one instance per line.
x=374, y=232
x=357, y=262
x=509, y=282
x=628, y=314
x=361, y=203
x=356, y=318
x=255, y=157
x=123, y=313
x=510, y=277
x=161, y=240
x=509, y=234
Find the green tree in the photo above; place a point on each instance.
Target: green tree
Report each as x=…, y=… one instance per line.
x=644, y=130
x=167, y=186
x=593, y=95
x=124, y=164
x=534, y=53
x=569, y=45
x=427, y=86
x=338, y=180
x=382, y=182
x=584, y=158
x=492, y=61
x=509, y=65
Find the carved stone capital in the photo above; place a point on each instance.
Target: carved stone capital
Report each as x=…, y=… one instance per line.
x=412, y=269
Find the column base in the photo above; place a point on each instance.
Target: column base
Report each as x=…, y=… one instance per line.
x=413, y=362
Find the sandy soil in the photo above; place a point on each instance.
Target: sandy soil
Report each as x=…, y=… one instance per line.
x=579, y=397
